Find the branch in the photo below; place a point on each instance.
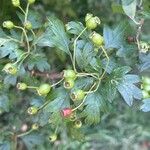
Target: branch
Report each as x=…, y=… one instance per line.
x=48, y=75
x=139, y=30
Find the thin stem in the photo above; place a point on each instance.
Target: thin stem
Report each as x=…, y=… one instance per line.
x=33, y=33
x=15, y=143
x=23, y=60
x=84, y=98
x=46, y=103
x=32, y=87
x=26, y=13
x=94, y=75
x=22, y=10
x=28, y=45
x=15, y=40
x=141, y=2
x=26, y=133
x=56, y=130
x=57, y=82
x=33, y=39
x=74, y=51
x=22, y=37
x=27, y=40
x=20, y=58
x=107, y=57
x=89, y=92
x=137, y=23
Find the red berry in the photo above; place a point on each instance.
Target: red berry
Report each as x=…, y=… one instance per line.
x=66, y=112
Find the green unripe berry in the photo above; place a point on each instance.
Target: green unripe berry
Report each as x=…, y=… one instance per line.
x=88, y=16
x=69, y=74
x=144, y=47
x=35, y=126
x=16, y=3
x=28, y=25
x=32, y=110
x=44, y=89
x=22, y=86
x=77, y=124
x=31, y=1
x=97, y=39
x=10, y=68
x=1, y=111
x=73, y=117
x=69, y=84
x=92, y=23
x=8, y=24
x=146, y=80
x=52, y=138
x=77, y=95
x=146, y=87
x=145, y=94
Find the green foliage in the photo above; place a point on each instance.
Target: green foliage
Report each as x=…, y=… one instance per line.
x=107, y=73
x=146, y=105
x=92, y=109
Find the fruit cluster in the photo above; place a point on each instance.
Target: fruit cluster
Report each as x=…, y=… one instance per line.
x=145, y=87
x=69, y=76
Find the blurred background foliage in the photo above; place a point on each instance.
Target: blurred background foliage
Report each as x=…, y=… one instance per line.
x=122, y=128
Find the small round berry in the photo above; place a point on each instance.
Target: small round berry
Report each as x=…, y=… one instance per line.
x=1, y=111
x=92, y=23
x=97, y=39
x=69, y=84
x=24, y=127
x=88, y=16
x=31, y=1
x=44, y=89
x=144, y=47
x=66, y=112
x=77, y=95
x=8, y=24
x=28, y=25
x=35, y=126
x=78, y=124
x=130, y=39
x=146, y=80
x=141, y=87
x=16, y=3
x=32, y=110
x=53, y=138
x=10, y=68
x=22, y=86
x=73, y=117
x=145, y=94
x=146, y=87
x=69, y=74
